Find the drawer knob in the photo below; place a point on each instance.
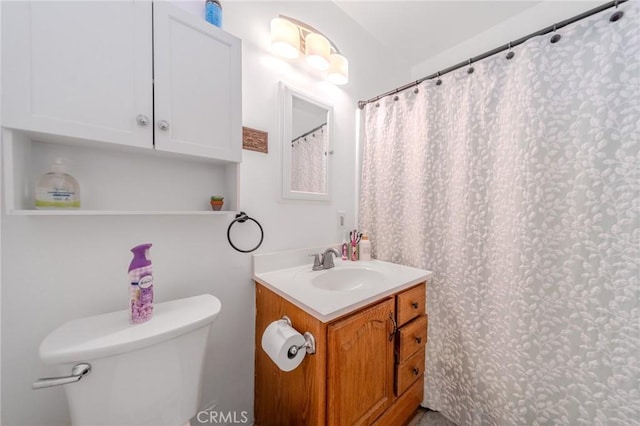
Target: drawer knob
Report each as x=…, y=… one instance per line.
x=418, y=340
x=415, y=305
x=416, y=371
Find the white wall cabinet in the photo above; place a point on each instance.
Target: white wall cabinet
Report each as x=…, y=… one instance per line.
x=130, y=76
x=197, y=108
x=112, y=71
x=78, y=69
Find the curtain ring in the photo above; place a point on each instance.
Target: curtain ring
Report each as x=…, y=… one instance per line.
x=556, y=37
x=438, y=81
x=616, y=15
x=416, y=90
x=471, y=69
x=510, y=54
x=395, y=98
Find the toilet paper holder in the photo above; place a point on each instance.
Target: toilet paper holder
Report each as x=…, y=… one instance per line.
x=309, y=341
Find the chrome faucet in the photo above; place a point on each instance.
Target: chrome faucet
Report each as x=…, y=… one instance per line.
x=324, y=260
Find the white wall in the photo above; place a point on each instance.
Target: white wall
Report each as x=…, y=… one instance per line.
x=59, y=268
x=531, y=20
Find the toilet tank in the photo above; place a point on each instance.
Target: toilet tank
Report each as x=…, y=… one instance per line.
x=144, y=374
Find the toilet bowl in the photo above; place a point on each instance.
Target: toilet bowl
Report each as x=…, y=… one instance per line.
x=144, y=374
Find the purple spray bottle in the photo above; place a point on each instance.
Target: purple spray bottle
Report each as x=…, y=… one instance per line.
x=141, y=285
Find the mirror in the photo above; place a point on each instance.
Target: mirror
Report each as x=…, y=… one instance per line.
x=306, y=145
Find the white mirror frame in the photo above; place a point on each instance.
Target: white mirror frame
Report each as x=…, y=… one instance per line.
x=286, y=94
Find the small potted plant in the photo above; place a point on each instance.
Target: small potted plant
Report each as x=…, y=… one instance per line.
x=217, y=202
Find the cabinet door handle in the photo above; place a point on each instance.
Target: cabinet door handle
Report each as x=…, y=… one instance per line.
x=418, y=340
x=395, y=326
x=415, y=305
x=416, y=371
x=163, y=125
x=142, y=120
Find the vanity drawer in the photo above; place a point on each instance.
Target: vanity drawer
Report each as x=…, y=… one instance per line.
x=409, y=371
x=411, y=338
x=410, y=304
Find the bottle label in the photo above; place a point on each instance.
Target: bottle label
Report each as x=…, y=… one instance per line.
x=56, y=198
x=365, y=251
x=141, y=298
x=146, y=281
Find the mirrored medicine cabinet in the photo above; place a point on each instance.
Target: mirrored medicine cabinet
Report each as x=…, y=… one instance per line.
x=306, y=145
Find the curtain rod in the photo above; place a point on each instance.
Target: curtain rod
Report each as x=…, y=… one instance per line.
x=309, y=132
x=546, y=30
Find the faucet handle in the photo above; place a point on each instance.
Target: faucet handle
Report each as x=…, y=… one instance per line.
x=317, y=263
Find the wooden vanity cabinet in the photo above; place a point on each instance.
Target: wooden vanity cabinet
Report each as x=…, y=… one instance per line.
x=365, y=371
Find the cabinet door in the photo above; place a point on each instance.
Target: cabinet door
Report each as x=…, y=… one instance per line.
x=78, y=69
x=360, y=365
x=197, y=86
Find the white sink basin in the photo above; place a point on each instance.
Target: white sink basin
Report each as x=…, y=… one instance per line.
x=347, y=279
x=331, y=293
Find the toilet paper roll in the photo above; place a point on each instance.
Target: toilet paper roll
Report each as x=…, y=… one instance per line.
x=277, y=338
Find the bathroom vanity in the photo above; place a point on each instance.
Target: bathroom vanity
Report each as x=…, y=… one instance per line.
x=370, y=333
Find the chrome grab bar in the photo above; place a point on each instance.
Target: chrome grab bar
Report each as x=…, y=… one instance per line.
x=77, y=372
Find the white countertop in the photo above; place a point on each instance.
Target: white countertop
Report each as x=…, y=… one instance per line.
x=295, y=283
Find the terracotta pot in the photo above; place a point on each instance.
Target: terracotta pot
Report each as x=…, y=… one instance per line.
x=216, y=205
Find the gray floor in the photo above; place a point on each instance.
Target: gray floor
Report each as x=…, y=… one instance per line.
x=430, y=418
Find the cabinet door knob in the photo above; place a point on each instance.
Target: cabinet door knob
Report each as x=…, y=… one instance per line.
x=418, y=340
x=416, y=371
x=142, y=120
x=163, y=125
x=415, y=305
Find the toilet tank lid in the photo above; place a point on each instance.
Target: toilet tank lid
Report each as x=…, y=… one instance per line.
x=109, y=334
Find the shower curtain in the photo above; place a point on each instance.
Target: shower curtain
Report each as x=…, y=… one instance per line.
x=517, y=183
x=308, y=162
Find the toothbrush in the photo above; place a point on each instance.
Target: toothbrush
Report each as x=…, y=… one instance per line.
x=354, y=246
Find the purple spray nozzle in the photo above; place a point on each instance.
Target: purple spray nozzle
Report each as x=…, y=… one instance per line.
x=140, y=256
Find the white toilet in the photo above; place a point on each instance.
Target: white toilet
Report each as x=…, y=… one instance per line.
x=145, y=374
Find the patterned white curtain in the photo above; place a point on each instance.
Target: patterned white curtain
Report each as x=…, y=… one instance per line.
x=308, y=162
x=519, y=186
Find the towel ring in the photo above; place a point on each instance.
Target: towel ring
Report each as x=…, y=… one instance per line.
x=241, y=218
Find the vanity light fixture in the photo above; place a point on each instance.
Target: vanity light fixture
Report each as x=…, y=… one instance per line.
x=317, y=51
x=290, y=38
x=285, y=38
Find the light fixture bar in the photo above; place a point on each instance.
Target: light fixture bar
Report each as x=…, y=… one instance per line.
x=306, y=29
x=291, y=37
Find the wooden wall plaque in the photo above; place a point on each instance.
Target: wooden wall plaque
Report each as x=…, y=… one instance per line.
x=255, y=140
